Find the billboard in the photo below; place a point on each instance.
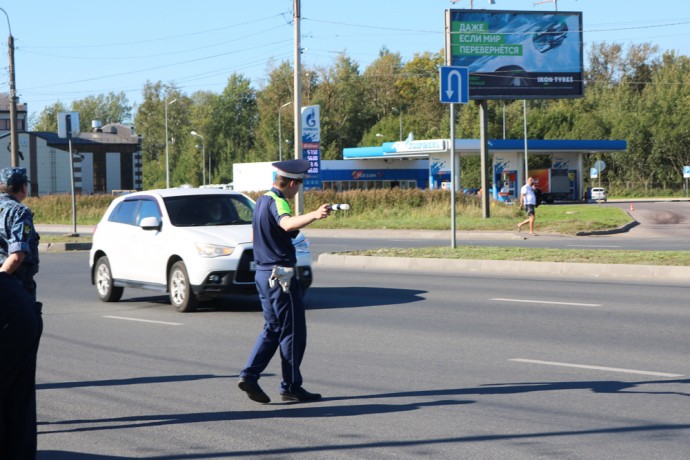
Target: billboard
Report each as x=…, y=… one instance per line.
x=517, y=54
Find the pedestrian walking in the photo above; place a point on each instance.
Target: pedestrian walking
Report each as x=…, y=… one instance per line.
x=528, y=202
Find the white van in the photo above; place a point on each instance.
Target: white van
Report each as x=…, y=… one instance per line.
x=599, y=194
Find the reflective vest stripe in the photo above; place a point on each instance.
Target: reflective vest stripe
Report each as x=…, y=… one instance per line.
x=281, y=204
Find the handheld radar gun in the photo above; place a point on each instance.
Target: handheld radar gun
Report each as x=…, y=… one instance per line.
x=340, y=207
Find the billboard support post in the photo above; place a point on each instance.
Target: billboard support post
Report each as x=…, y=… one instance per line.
x=484, y=153
x=524, y=123
x=453, y=183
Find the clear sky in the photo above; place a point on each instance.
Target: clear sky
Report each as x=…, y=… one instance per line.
x=71, y=50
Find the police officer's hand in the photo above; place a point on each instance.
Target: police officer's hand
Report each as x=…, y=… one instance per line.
x=323, y=212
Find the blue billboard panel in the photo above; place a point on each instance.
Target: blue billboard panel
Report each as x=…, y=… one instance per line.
x=518, y=54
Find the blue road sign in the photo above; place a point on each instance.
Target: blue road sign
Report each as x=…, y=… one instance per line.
x=686, y=171
x=455, y=85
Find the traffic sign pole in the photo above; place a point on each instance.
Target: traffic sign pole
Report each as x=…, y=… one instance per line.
x=454, y=89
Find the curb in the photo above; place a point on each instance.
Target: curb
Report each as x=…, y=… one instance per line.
x=613, y=272
x=623, y=229
x=63, y=247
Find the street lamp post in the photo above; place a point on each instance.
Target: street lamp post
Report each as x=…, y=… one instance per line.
x=203, y=158
x=167, y=148
x=280, y=132
x=13, y=98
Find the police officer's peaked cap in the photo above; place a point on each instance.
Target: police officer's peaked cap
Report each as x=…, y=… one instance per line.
x=292, y=169
x=13, y=176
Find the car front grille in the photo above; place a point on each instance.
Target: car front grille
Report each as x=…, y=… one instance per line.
x=244, y=273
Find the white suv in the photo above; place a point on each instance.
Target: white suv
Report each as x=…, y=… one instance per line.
x=194, y=244
x=598, y=194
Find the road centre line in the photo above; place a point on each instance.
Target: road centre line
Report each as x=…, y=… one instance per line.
x=143, y=320
x=549, y=302
x=596, y=368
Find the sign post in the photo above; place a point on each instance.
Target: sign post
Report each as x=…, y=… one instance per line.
x=68, y=126
x=454, y=89
x=599, y=165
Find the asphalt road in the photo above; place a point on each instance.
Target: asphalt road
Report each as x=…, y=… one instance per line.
x=411, y=365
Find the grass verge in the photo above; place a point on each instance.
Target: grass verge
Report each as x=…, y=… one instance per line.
x=590, y=256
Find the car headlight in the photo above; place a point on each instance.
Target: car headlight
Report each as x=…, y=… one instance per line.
x=213, y=250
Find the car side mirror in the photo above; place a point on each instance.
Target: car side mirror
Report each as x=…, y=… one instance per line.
x=150, y=223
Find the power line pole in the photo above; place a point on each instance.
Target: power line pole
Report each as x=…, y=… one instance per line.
x=13, y=106
x=13, y=97
x=299, y=198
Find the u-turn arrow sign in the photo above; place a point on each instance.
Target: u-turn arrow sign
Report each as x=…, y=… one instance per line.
x=455, y=85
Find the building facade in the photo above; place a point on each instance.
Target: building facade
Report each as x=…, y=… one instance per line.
x=106, y=160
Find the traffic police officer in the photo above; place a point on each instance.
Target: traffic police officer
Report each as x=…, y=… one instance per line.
x=20, y=330
x=18, y=237
x=285, y=326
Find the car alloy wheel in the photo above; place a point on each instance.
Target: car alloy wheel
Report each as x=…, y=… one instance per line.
x=107, y=292
x=181, y=295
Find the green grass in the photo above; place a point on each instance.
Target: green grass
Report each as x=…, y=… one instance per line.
x=82, y=238
x=598, y=256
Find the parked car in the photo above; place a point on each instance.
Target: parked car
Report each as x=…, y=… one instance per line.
x=596, y=194
x=194, y=244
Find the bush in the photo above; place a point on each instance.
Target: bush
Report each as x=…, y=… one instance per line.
x=391, y=208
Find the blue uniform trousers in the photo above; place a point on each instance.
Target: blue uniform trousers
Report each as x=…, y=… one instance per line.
x=20, y=330
x=285, y=328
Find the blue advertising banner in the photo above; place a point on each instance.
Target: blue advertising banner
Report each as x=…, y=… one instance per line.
x=518, y=54
x=311, y=146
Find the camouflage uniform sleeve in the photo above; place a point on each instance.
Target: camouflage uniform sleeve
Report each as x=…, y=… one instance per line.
x=23, y=237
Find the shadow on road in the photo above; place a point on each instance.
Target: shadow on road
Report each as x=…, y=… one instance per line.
x=316, y=410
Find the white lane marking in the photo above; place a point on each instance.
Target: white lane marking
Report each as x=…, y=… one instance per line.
x=549, y=302
x=143, y=320
x=596, y=368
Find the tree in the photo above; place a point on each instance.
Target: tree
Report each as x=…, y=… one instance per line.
x=150, y=125
x=270, y=100
x=203, y=103
x=418, y=85
x=382, y=97
x=233, y=125
x=344, y=119
x=110, y=108
x=47, y=119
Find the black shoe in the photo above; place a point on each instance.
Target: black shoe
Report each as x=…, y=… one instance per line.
x=299, y=394
x=254, y=391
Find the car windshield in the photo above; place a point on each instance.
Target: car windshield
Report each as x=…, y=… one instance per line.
x=203, y=210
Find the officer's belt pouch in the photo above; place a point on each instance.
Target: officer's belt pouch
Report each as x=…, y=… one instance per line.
x=281, y=275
